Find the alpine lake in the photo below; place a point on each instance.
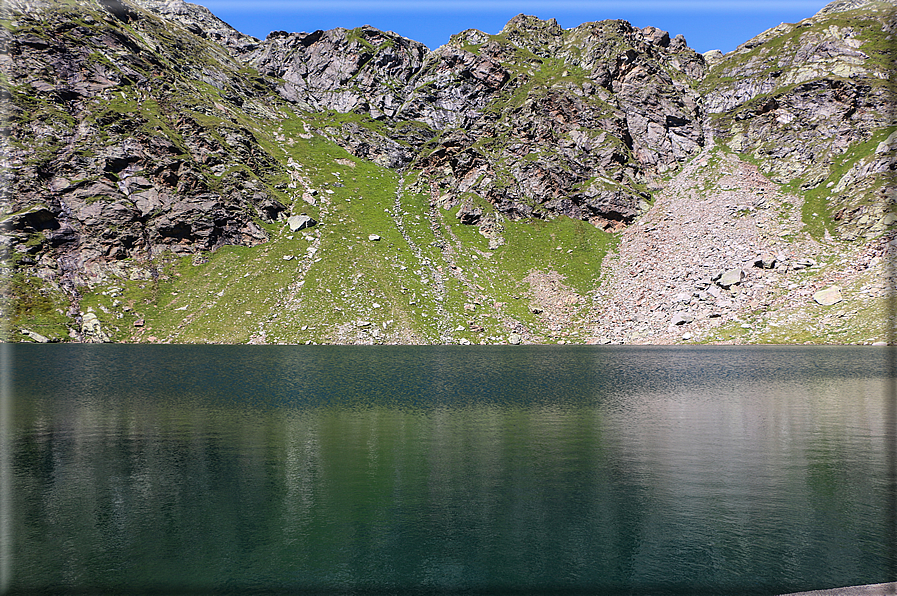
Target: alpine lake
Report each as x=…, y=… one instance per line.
x=189, y=469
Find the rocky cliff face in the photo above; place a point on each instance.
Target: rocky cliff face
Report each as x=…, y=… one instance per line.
x=586, y=117
x=574, y=123
x=802, y=99
x=125, y=138
x=141, y=131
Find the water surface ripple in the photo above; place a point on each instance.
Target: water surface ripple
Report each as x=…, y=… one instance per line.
x=449, y=469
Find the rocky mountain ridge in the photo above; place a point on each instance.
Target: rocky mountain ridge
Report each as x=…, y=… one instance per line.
x=146, y=134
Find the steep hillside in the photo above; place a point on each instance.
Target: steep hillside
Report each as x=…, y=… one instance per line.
x=793, y=195
x=169, y=179
x=811, y=104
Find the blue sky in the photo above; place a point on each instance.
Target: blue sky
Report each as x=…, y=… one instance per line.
x=706, y=24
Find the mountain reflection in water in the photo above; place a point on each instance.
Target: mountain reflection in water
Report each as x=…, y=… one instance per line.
x=220, y=469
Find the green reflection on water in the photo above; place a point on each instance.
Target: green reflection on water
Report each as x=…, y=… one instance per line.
x=211, y=470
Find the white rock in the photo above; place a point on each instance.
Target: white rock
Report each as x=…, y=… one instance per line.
x=90, y=327
x=828, y=296
x=35, y=336
x=300, y=222
x=681, y=318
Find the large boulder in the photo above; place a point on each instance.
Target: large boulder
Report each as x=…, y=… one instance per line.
x=828, y=296
x=300, y=222
x=91, y=329
x=730, y=278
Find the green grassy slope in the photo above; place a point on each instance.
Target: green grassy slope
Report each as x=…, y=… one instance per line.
x=426, y=279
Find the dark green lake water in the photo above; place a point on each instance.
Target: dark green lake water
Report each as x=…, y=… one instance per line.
x=447, y=470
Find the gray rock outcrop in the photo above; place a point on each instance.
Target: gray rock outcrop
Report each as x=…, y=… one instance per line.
x=141, y=131
x=799, y=97
x=124, y=156
x=92, y=329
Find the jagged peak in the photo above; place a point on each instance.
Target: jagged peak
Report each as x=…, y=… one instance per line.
x=192, y=16
x=622, y=31
x=609, y=29
x=468, y=37
x=846, y=5
x=525, y=22
x=365, y=34
x=534, y=34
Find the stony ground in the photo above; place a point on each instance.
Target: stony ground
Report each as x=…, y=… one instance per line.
x=720, y=214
